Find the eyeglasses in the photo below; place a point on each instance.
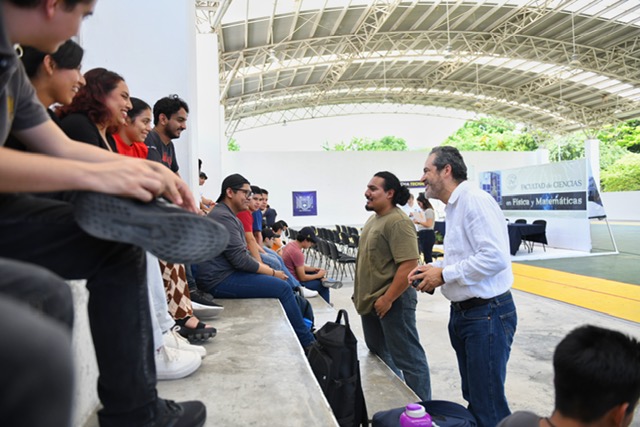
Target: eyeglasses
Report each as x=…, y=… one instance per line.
x=247, y=193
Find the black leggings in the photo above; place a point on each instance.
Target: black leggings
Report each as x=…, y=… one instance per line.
x=426, y=240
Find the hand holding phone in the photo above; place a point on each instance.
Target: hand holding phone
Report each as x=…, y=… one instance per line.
x=416, y=282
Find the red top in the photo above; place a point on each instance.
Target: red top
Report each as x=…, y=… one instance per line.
x=246, y=219
x=137, y=149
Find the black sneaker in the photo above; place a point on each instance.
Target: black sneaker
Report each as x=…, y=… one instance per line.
x=164, y=229
x=180, y=414
x=204, y=298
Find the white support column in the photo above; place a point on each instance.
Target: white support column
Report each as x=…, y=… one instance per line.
x=210, y=112
x=592, y=153
x=151, y=43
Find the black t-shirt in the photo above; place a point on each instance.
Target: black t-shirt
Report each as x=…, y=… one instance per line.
x=78, y=126
x=161, y=152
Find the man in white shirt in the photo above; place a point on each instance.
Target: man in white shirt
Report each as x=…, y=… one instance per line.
x=476, y=277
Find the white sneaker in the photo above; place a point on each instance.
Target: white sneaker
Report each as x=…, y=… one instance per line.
x=173, y=339
x=206, y=311
x=308, y=293
x=172, y=364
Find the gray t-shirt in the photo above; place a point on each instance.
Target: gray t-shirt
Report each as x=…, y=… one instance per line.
x=20, y=109
x=521, y=419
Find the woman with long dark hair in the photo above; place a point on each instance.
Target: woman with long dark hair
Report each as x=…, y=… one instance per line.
x=98, y=110
x=425, y=223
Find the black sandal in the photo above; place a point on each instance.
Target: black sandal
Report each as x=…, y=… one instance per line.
x=199, y=334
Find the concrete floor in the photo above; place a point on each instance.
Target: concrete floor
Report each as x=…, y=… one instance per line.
x=622, y=267
x=542, y=323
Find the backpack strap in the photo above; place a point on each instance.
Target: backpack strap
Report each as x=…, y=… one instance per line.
x=343, y=313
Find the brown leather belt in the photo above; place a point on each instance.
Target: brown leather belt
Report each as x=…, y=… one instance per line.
x=474, y=302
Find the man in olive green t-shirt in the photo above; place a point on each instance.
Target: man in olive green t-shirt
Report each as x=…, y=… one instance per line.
x=387, y=252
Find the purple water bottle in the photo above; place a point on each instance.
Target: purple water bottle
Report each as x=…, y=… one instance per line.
x=414, y=415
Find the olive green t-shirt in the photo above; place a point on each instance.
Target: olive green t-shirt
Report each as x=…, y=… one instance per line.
x=386, y=241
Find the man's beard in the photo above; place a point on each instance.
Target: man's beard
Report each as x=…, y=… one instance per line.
x=368, y=208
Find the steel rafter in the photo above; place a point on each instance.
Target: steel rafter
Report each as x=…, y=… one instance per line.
x=381, y=57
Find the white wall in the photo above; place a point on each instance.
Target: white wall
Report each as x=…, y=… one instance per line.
x=151, y=43
x=340, y=178
x=623, y=205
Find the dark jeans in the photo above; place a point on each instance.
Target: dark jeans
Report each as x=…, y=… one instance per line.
x=316, y=285
x=426, y=240
x=43, y=232
x=482, y=337
x=395, y=340
x=241, y=284
x=36, y=367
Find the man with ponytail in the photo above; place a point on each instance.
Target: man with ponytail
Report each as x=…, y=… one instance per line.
x=387, y=252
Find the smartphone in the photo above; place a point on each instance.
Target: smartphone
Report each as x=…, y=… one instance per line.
x=416, y=282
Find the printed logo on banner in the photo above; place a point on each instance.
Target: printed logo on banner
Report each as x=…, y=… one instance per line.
x=305, y=203
x=492, y=184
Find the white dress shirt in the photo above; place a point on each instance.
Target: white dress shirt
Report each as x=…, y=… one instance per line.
x=477, y=261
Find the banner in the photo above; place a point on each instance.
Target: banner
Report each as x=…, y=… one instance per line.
x=305, y=203
x=564, y=194
x=556, y=188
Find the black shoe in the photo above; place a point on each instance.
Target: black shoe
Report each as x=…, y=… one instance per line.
x=166, y=230
x=203, y=298
x=180, y=414
x=197, y=335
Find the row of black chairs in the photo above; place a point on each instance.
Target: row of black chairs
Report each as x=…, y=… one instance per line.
x=348, y=230
x=348, y=243
x=531, y=240
x=328, y=252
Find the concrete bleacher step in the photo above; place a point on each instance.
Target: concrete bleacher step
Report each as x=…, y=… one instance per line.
x=382, y=388
x=256, y=373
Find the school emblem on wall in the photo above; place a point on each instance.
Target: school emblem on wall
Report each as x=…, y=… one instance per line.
x=305, y=203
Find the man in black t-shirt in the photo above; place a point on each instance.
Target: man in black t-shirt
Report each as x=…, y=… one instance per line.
x=170, y=119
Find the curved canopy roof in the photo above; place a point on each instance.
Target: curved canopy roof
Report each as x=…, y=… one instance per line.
x=559, y=65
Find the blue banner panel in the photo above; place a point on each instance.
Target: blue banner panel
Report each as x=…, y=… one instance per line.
x=305, y=203
x=573, y=201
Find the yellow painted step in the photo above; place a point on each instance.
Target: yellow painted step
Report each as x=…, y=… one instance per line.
x=605, y=296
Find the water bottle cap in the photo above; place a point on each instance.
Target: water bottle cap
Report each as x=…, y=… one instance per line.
x=415, y=410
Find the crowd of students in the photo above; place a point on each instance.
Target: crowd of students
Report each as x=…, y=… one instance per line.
x=145, y=309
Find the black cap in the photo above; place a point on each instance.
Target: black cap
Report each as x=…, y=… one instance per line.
x=308, y=233
x=234, y=181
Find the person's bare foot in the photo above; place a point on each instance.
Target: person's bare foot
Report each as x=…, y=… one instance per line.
x=193, y=322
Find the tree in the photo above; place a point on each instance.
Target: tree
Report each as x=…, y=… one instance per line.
x=386, y=143
x=625, y=135
x=495, y=134
x=623, y=175
x=232, y=145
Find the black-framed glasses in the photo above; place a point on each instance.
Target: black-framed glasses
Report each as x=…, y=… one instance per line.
x=247, y=193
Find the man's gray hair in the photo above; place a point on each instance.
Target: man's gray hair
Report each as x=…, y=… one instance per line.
x=447, y=155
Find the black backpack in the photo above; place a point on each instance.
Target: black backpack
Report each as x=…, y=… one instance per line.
x=334, y=361
x=306, y=309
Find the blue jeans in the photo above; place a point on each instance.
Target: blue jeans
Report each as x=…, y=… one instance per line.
x=241, y=284
x=316, y=285
x=274, y=261
x=394, y=339
x=482, y=337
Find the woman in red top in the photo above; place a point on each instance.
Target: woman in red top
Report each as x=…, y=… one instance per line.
x=134, y=130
